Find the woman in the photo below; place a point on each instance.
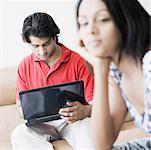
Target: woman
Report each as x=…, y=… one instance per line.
x=115, y=40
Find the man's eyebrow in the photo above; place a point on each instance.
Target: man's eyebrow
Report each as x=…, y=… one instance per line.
x=47, y=41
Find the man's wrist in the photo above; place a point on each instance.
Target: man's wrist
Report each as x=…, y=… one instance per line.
x=88, y=110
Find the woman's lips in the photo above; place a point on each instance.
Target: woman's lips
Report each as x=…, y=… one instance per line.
x=94, y=43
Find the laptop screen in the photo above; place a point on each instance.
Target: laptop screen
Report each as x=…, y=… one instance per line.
x=47, y=101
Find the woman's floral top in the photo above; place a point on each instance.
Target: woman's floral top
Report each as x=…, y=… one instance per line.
x=143, y=121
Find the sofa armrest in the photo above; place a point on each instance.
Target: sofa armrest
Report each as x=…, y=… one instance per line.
x=8, y=77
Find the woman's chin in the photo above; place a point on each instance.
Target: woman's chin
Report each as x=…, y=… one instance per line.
x=98, y=53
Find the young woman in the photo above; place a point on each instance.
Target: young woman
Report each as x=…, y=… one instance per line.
x=115, y=40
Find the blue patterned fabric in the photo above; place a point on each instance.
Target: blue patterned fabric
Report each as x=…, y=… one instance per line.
x=142, y=121
x=138, y=144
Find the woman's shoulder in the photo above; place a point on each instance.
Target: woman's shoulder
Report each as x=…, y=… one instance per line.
x=147, y=62
x=147, y=72
x=147, y=91
x=147, y=58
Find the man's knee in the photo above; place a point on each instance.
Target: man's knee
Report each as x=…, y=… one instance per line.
x=18, y=132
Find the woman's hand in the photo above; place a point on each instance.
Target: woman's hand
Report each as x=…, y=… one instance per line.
x=95, y=61
x=76, y=111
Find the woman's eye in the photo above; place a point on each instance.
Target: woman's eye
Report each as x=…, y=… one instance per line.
x=83, y=23
x=102, y=19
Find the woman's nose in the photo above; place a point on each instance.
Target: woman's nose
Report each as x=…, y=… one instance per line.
x=92, y=28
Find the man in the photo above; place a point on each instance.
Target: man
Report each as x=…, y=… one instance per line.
x=50, y=63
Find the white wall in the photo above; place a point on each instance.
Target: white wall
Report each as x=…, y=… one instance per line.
x=12, y=14
x=146, y=4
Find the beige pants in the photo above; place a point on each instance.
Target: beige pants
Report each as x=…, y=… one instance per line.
x=77, y=134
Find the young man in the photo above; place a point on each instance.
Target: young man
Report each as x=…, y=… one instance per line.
x=50, y=63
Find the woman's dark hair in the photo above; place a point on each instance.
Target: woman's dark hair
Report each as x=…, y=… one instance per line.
x=40, y=25
x=133, y=22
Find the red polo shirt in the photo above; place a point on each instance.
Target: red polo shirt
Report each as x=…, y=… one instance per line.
x=34, y=73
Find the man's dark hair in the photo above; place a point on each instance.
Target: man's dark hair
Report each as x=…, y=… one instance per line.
x=133, y=22
x=40, y=25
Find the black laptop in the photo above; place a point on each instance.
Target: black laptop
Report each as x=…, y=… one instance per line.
x=42, y=104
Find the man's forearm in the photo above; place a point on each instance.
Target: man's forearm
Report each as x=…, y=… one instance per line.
x=89, y=108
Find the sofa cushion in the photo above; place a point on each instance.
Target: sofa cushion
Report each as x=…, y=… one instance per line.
x=61, y=145
x=5, y=146
x=130, y=132
x=7, y=85
x=128, y=117
x=9, y=119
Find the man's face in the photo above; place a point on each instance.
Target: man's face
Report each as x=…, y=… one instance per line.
x=43, y=48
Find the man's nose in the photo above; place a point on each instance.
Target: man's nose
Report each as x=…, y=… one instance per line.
x=42, y=50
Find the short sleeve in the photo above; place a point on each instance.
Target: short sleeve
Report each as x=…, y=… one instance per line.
x=147, y=91
x=21, y=82
x=85, y=75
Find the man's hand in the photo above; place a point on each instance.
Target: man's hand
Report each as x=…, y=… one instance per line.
x=76, y=111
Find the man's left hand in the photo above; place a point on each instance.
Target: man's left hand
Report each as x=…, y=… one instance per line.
x=76, y=111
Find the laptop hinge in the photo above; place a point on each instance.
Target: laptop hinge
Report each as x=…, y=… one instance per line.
x=31, y=122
